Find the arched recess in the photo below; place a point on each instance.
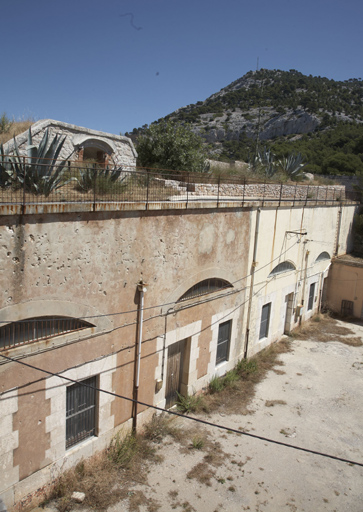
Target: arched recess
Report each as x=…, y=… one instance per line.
x=94, y=148
x=281, y=268
x=323, y=256
x=189, y=282
x=85, y=141
x=90, y=320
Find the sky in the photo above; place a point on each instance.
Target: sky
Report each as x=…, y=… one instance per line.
x=115, y=65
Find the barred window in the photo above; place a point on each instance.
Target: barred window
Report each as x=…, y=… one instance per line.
x=39, y=328
x=285, y=266
x=204, y=287
x=224, y=338
x=81, y=411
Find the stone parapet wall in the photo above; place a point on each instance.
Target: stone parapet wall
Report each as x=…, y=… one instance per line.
x=272, y=191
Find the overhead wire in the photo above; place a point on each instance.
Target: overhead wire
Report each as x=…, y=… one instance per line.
x=196, y=420
x=90, y=317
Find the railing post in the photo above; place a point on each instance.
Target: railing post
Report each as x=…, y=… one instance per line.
x=317, y=196
x=94, y=187
x=244, y=190
x=295, y=194
x=188, y=182
x=333, y=196
x=219, y=183
x=25, y=168
x=263, y=195
x=326, y=194
x=147, y=188
x=280, y=194
x=307, y=195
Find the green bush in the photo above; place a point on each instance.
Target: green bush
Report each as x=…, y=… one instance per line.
x=122, y=449
x=189, y=403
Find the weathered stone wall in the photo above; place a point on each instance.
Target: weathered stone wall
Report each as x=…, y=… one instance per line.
x=272, y=191
x=123, y=151
x=260, y=190
x=88, y=266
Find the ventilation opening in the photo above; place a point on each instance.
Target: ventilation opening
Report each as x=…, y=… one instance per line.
x=205, y=287
x=39, y=328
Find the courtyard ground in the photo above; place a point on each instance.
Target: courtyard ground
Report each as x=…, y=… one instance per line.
x=312, y=398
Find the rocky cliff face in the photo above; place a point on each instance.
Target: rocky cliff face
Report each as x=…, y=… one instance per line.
x=272, y=124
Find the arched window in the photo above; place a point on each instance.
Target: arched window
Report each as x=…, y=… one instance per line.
x=323, y=256
x=39, y=328
x=204, y=287
x=285, y=266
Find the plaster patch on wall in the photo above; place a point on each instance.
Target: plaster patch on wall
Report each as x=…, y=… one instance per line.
x=231, y=235
x=206, y=239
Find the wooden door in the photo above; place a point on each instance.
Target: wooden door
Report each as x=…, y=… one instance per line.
x=174, y=372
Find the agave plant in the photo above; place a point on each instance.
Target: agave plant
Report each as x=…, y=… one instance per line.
x=102, y=180
x=292, y=165
x=5, y=168
x=39, y=172
x=264, y=162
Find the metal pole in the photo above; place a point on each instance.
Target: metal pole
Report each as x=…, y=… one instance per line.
x=147, y=189
x=142, y=289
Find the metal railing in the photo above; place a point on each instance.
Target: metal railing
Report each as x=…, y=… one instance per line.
x=34, y=183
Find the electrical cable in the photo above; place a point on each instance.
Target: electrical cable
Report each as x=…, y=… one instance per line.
x=89, y=317
x=197, y=420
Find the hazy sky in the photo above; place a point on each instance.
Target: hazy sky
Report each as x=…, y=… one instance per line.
x=113, y=65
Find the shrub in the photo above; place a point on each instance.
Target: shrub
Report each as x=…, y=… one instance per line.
x=189, y=403
x=122, y=449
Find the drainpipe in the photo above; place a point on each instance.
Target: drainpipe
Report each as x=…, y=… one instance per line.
x=338, y=230
x=142, y=289
x=304, y=280
x=254, y=264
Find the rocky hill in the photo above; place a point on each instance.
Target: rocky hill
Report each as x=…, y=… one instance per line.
x=278, y=107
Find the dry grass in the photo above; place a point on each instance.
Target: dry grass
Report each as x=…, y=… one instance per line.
x=324, y=328
x=15, y=128
x=203, y=473
x=272, y=403
x=236, y=397
x=107, y=477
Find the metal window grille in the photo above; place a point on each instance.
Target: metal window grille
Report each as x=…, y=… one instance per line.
x=347, y=308
x=35, y=329
x=265, y=320
x=204, y=287
x=285, y=266
x=224, y=336
x=323, y=256
x=311, y=296
x=81, y=412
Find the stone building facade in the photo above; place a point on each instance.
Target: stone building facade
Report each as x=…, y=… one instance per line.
x=219, y=284
x=81, y=144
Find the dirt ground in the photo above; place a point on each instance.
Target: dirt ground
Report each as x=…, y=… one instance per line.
x=313, y=399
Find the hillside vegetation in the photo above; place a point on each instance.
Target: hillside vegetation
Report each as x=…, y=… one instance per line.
x=10, y=128
x=287, y=112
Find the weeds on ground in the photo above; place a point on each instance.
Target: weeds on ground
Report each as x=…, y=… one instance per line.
x=235, y=390
x=324, y=328
x=106, y=477
x=198, y=442
x=190, y=403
